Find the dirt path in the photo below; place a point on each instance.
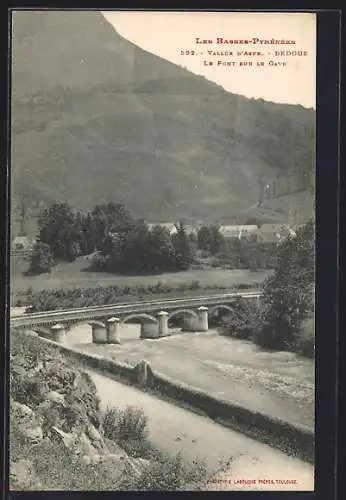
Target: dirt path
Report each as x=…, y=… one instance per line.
x=173, y=429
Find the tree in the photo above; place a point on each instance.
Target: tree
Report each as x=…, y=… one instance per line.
x=140, y=250
x=41, y=259
x=134, y=251
x=210, y=239
x=216, y=240
x=82, y=234
x=89, y=239
x=127, y=251
x=110, y=218
x=58, y=230
x=193, y=239
x=288, y=296
x=161, y=250
x=203, y=238
x=182, y=246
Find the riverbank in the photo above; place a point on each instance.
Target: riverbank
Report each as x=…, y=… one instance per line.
x=195, y=438
x=279, y=384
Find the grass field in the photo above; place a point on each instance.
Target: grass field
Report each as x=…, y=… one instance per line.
x=72, y=275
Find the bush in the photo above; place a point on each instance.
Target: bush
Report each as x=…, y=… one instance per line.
x=59, y=469
x=305, y=341
x=130, y=424
x=194, y=285
x=98, y=262
x=274, y=334
x=129, y=429
x=244, y=321
x=51, y=461
x=28, y=390
x=169, y=474
x=245, y=286
x=49, y=300
x=41, y=260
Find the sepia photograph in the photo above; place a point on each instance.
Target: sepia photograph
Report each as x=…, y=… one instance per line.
x=162, y=260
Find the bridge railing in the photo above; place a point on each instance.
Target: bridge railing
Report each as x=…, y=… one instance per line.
x=174, y=300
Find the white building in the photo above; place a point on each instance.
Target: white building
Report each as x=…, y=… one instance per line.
x=22, y=244
x=168, y=225
x=238, y=231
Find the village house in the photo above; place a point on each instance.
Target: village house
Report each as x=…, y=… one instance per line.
x=172, y=227
x=269, y=232
x=274, y=232
x=238, y=231
x=168, y=225
x=22, y=244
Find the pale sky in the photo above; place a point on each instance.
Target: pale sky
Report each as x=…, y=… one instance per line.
x=166, y=34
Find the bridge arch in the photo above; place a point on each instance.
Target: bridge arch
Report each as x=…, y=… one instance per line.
x=70, y=325
x=145, y=318
x=41, y=331
x=220, y=307
x=182, y=312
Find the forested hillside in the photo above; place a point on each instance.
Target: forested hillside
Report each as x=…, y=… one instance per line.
x=97, y=119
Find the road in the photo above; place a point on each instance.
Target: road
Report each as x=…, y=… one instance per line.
x=173, y=429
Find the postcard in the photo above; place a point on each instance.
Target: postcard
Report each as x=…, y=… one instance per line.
x=162, y=250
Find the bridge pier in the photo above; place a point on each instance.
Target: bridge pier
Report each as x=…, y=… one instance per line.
x=58, y=333
x=203, y=318
x=163, y=323
x=99, y=334
x=113, y=331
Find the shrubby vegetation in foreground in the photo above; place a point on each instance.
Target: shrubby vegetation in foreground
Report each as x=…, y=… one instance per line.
x=61, y=440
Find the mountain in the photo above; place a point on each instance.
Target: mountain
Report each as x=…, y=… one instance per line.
x=96, y=119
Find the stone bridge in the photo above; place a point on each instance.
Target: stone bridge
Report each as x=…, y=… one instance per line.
x=154, y=317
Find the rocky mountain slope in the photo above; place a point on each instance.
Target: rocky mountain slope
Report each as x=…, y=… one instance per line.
x=95, y=119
